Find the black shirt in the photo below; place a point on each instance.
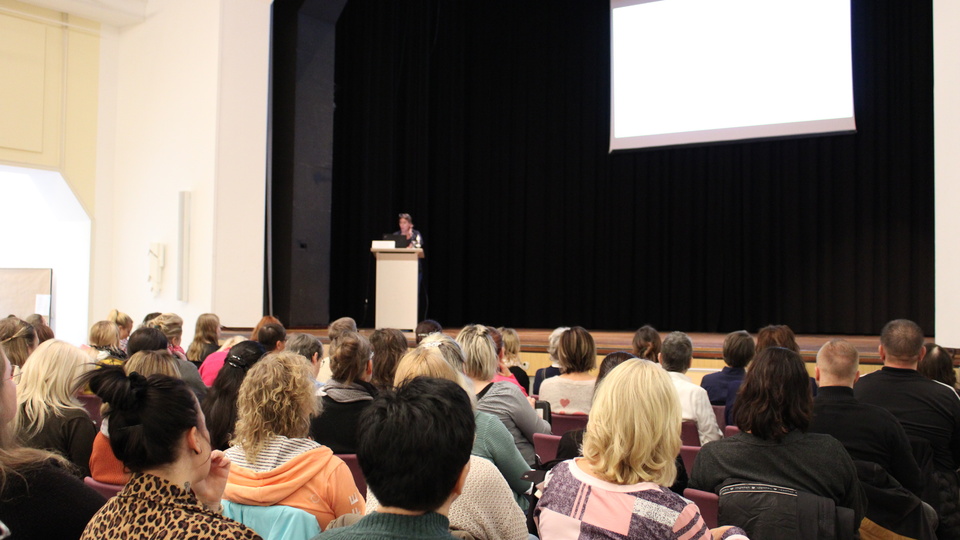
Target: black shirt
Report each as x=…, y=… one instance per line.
x=926, y=409
x=868, y=432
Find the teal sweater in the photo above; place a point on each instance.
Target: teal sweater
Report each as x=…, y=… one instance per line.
x=495, y=443
x=378, y=526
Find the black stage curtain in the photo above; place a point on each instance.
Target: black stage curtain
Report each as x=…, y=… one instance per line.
x=488, y=121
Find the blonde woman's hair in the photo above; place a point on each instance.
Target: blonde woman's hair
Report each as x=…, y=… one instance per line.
x=206, y=332
x=479, y=351
x=122, y=320
x=511, y=347
x=47, y=383
x=428, y=361
x=149, y=363
x=277, y=398
x=448, y=347
x=633, y=434
x=170, y=324
x=104, y=334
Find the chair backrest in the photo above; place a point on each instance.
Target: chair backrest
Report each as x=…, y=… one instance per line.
x=708, y=503
x=274, y=522
x=91, y=404
x=720, y=411
x=689, y=434
x=107, y=490
x=546, y=446
x=730, y=431
x=562, y=423
x=358, y=478
x=689, y=455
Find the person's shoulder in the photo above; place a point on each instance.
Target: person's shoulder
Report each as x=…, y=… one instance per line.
x=712, y=378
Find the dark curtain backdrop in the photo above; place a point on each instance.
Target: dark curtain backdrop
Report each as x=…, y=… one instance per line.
x=488, y=121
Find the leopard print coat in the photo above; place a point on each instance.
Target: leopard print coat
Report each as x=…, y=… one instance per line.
x=152, y=508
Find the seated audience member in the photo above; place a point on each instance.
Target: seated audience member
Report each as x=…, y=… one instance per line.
x=36, y=484
x=738, y=350
x=425, y=328
x=937, y=366
x=553, y=341
x=870, y=435
x=104, y=339
x=146, y=339
x=157, y=431
x=571, y=442
x=868, y=432
x=310, y=348
x=40, y=326
x=336, y=329
x=274, y=463
x=503, y=400
x=487, y=507
x=928, y=411
x=220, y=405
x=49, y=417
x=773, y=413
x=273, y=337
x=265, y=320
x=415, y=474
x=206, y=338
x=503, y=374
x=629, y=449
x=493, y=442
x=171, y=325
x=676, y=356
x=389, y=345
x=213, y=363
x=647, y=343
x=104, y=465
x=345, y=395
x=125, y=323
x=17, y=339
x=511, y=357
x=572, y=391
x=149, y=317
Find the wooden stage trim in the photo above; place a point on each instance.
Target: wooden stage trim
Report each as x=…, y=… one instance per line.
x=706, y=346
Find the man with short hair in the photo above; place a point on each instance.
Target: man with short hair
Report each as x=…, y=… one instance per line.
x=927, y=410
x=869, y=433
x=676, y=355
x=738, y=350
x=272, y=337
x=414, y=450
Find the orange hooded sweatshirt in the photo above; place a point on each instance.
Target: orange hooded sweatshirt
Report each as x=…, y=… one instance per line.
x=316, y=481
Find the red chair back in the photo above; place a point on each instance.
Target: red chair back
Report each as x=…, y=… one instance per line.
x=689, y=434
x=720, y=412
x=730, y=431
x=689, y=455
x=546, y=446
x=708, y=503
x=562, y=423
x=358, y=478
x=107, y=490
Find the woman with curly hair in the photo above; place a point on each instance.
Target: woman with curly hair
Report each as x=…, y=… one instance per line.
x=274, y=461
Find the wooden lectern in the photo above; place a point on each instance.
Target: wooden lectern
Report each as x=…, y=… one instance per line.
x=398, y=276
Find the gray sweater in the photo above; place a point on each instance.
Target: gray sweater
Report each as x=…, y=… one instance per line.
x=505, y=401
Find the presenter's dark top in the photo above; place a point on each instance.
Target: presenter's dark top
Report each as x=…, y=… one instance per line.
x=869, y=433
x=926, y=409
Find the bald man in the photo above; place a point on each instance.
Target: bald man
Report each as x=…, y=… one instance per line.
x=869, y=433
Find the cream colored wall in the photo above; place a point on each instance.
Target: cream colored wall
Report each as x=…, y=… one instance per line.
x=946, y=74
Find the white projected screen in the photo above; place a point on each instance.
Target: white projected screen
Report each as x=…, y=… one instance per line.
x=696, y=71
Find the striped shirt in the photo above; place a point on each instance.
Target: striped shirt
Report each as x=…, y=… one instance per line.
x=279, y=451
x=577, y=506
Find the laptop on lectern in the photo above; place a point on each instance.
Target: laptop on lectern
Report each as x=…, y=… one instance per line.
x=400, y=240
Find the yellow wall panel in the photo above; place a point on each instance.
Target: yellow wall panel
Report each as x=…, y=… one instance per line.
x=23, y=47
